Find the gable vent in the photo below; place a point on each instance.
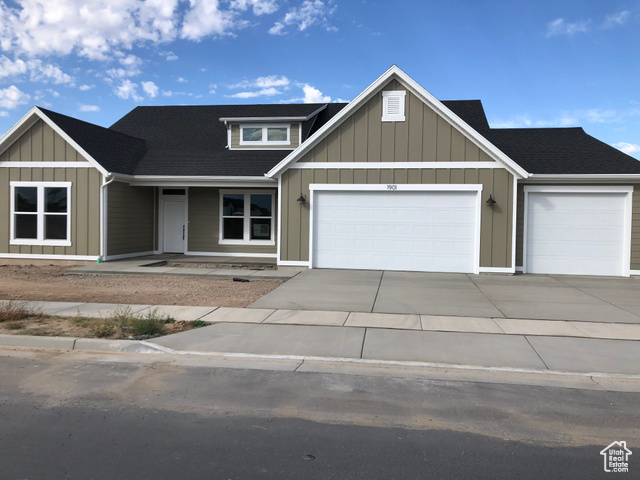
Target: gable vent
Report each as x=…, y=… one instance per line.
x=393, y=106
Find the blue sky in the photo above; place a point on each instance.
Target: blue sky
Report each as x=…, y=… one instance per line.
x=532, y=63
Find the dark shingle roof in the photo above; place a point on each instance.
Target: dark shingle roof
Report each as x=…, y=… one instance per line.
x=561, y=151
x=191, y=140
x=548, y=150
x=115, y=151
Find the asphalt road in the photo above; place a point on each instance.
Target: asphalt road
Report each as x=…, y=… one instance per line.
x=77, y=416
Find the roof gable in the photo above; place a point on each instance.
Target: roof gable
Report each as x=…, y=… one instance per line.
x=441, y=109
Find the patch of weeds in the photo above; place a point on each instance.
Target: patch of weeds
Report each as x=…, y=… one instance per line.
x=198, y=323
x=13, y=311
x=14, y=325
x=147, y=325
x=103, y=329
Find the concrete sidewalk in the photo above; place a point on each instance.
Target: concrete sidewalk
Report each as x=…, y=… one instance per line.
x=538, y=345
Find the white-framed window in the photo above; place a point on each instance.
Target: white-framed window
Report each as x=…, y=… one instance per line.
x=265, y=134
x=393, y=105
x=246, y=217
x=40, y=213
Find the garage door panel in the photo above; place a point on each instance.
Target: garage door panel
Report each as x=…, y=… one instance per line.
x=415, y=231
x=580, y=233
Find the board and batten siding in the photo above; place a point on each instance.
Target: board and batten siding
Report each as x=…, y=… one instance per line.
x=496, y=222
x=85, y=209
x=131, y=214
x=423, y=137
x=204, y=224
x=294, y=138
x=41, y=143
x=635, y=226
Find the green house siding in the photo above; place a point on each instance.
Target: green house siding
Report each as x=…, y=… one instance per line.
x=496, y=222
x=84, y=215
x=131, y=213
x=423, y=137
x=40, y=143
x=204, y=224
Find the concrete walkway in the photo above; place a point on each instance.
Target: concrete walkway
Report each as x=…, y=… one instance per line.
x=541, y=345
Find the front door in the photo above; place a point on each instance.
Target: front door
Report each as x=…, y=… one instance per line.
x=174, y=226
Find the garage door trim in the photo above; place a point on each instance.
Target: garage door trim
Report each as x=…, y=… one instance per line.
x=628, y=190
x=391, y=188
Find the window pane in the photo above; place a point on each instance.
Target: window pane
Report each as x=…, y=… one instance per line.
x=252, y=134
x=55, y=200
x=55, y=227
x=233, y=229
x=260, y=229
x=26, y=226
x=233, y=205
x=26, y=199
x=277, y=134
x=260, y=205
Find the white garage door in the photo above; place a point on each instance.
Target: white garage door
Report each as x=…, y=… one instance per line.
x=382, y=230
x=575, y=233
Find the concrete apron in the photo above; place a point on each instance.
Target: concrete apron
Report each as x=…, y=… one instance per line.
x=540, y=297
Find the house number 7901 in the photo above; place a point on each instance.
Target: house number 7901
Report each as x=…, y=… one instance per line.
x=392, y=187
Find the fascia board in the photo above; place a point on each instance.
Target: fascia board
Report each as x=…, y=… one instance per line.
x=274, y=119
x=603, y=177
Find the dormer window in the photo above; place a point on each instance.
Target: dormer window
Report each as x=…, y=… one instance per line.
x=265, y=134
x=393, y=106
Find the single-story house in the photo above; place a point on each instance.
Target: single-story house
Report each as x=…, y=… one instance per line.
x=393, y=180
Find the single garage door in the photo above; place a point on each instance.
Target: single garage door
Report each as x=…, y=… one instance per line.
x=395, y=230
x=575, y=233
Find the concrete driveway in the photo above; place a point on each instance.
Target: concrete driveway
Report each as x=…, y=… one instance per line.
x=548, y=297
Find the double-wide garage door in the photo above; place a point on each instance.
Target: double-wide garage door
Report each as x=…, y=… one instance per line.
x=395, y=230
x=579, y=233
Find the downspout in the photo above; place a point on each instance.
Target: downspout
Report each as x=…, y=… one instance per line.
x=106, y=180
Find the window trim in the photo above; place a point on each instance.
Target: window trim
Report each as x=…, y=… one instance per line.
x=40, y=213
x=386, y=116
x=265, y=127
x=246, y=218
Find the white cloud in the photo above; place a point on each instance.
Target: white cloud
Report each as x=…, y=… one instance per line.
x=127, y=89
x=150, y=88
x=205, y=18
x=560, y=27
x=265, y=92
x=260, y=7
x=181, y=80
x=313, y=95
x=84, y=88
x=311, y=12
x=89, y=108
x=627, y=148
x=263, y=82
x=170, y=56
x=37, y=70
x=4, y=113
x=53, y=93
x=616, y=19
x=12, y=96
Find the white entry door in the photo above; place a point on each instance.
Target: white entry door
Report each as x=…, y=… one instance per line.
x=174, y=226
x=578, y=233
x=428, y=231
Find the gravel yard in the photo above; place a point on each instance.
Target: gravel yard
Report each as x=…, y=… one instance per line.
x=20, y=282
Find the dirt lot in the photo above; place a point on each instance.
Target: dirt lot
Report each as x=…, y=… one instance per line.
x=48, y=282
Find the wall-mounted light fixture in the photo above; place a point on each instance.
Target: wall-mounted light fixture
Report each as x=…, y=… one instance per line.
x=302, y=199
x=491, y=202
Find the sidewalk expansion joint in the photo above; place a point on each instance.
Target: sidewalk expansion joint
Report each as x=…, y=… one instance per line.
x=526, y=337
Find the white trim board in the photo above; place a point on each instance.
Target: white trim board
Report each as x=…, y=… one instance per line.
x=293, y=263
x=393, y=165
x=50, y=164
x=423, y=95
x=496, y=270
x=33, y=256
